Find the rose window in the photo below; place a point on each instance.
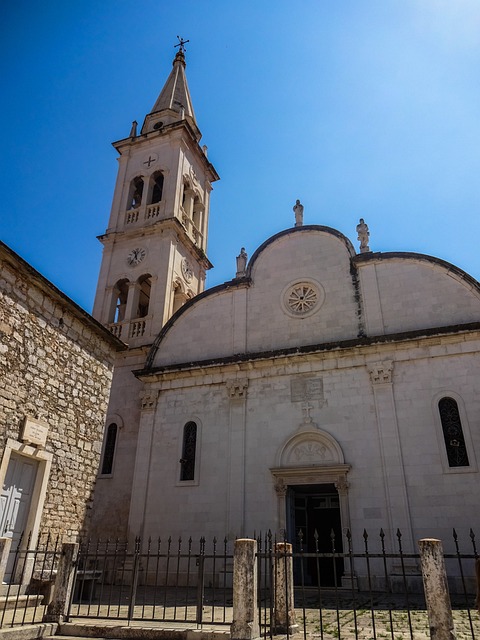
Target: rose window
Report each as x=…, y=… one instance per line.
x=301, y=299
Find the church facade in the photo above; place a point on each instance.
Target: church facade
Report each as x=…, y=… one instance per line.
x=320, y=389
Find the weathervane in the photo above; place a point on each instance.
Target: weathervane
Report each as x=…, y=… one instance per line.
x=181, y=44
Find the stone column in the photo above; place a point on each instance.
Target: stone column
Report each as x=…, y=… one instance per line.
x=120, y=195
x=62, y=591
x=284, y=607
x=281, y=491
x=132, y=301
x=391, y=455
x=436, y=589
x=245, y=624
x=237, y=391
x=110, y=304
x=5, y=544
x=341, y=485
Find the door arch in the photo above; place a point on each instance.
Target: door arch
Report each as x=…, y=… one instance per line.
x=311, y=471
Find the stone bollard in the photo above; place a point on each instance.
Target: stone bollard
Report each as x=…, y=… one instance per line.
x=245, y=611
x=5, y=544
x=435, y=585
x=284, y=608
x=62, y=591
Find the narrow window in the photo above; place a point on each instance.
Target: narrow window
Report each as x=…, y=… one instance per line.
x=136, y=193
x=157, y=190
x=109, y=449
x=187, y=461
x=453, y=433
x=120, y=301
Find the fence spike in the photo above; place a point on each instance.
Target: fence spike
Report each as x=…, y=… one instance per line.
x=300, y=539
x=399, y=536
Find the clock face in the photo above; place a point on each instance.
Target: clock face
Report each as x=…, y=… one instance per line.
x=187, y=270
x=136, y=256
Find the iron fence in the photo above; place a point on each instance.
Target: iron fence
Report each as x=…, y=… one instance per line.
x=33, y=570
x=370, y=588
x=363, y=594
x=162, y=580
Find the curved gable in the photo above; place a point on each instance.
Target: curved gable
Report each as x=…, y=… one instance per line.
x=258, y=313
x=408, y=291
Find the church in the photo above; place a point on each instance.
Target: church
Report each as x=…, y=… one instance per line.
x=323, y=387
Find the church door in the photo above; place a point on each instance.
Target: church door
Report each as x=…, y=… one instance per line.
x=15, y=501
x=314, y=510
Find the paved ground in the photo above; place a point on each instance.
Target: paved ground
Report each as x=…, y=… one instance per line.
x=386, y=622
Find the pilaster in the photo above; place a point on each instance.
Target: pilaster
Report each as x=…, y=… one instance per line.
x=372, y=307
x=237, y=393
x=143, y=460
x=398, y=513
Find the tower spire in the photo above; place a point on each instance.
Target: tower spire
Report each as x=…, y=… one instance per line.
x=174, y=102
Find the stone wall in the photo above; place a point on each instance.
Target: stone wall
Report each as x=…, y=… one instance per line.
x=56, y=366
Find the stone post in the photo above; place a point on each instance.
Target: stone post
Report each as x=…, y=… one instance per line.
x=436, y=589
x=245, y=611
x=5, y=544
x=62, y=591
x=284, y=609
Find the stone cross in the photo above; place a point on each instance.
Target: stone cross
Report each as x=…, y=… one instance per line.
x=306, y=408
x=181, y=44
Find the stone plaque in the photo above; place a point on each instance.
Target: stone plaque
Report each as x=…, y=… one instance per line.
x=303, y=389
x=35, y=432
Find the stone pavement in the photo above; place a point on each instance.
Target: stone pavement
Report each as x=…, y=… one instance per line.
x=327, y=623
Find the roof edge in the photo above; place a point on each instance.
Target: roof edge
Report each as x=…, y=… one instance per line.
x=363, y=341
x=379, y=256
x=17, y=261
x=304, y=228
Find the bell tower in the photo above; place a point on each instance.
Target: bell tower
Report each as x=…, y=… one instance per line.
x=154, y=260
x=154, y=256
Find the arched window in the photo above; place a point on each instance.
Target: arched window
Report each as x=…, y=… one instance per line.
x=179, y=297
x=136, y=193
x=109, y=449
x=120, y=297
x=157, y=187
x=453, y=433
x=145, y=286
x=188, y=199
x=187, y=461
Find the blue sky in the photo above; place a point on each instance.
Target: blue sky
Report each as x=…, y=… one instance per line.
x=360, y=108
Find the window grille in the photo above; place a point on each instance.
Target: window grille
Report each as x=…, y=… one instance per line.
x=188, y=452
x=453, y=433
x=109, y=450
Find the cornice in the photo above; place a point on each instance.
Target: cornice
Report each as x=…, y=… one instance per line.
x=112, y=236
x=334, y=355
x=182, y=126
